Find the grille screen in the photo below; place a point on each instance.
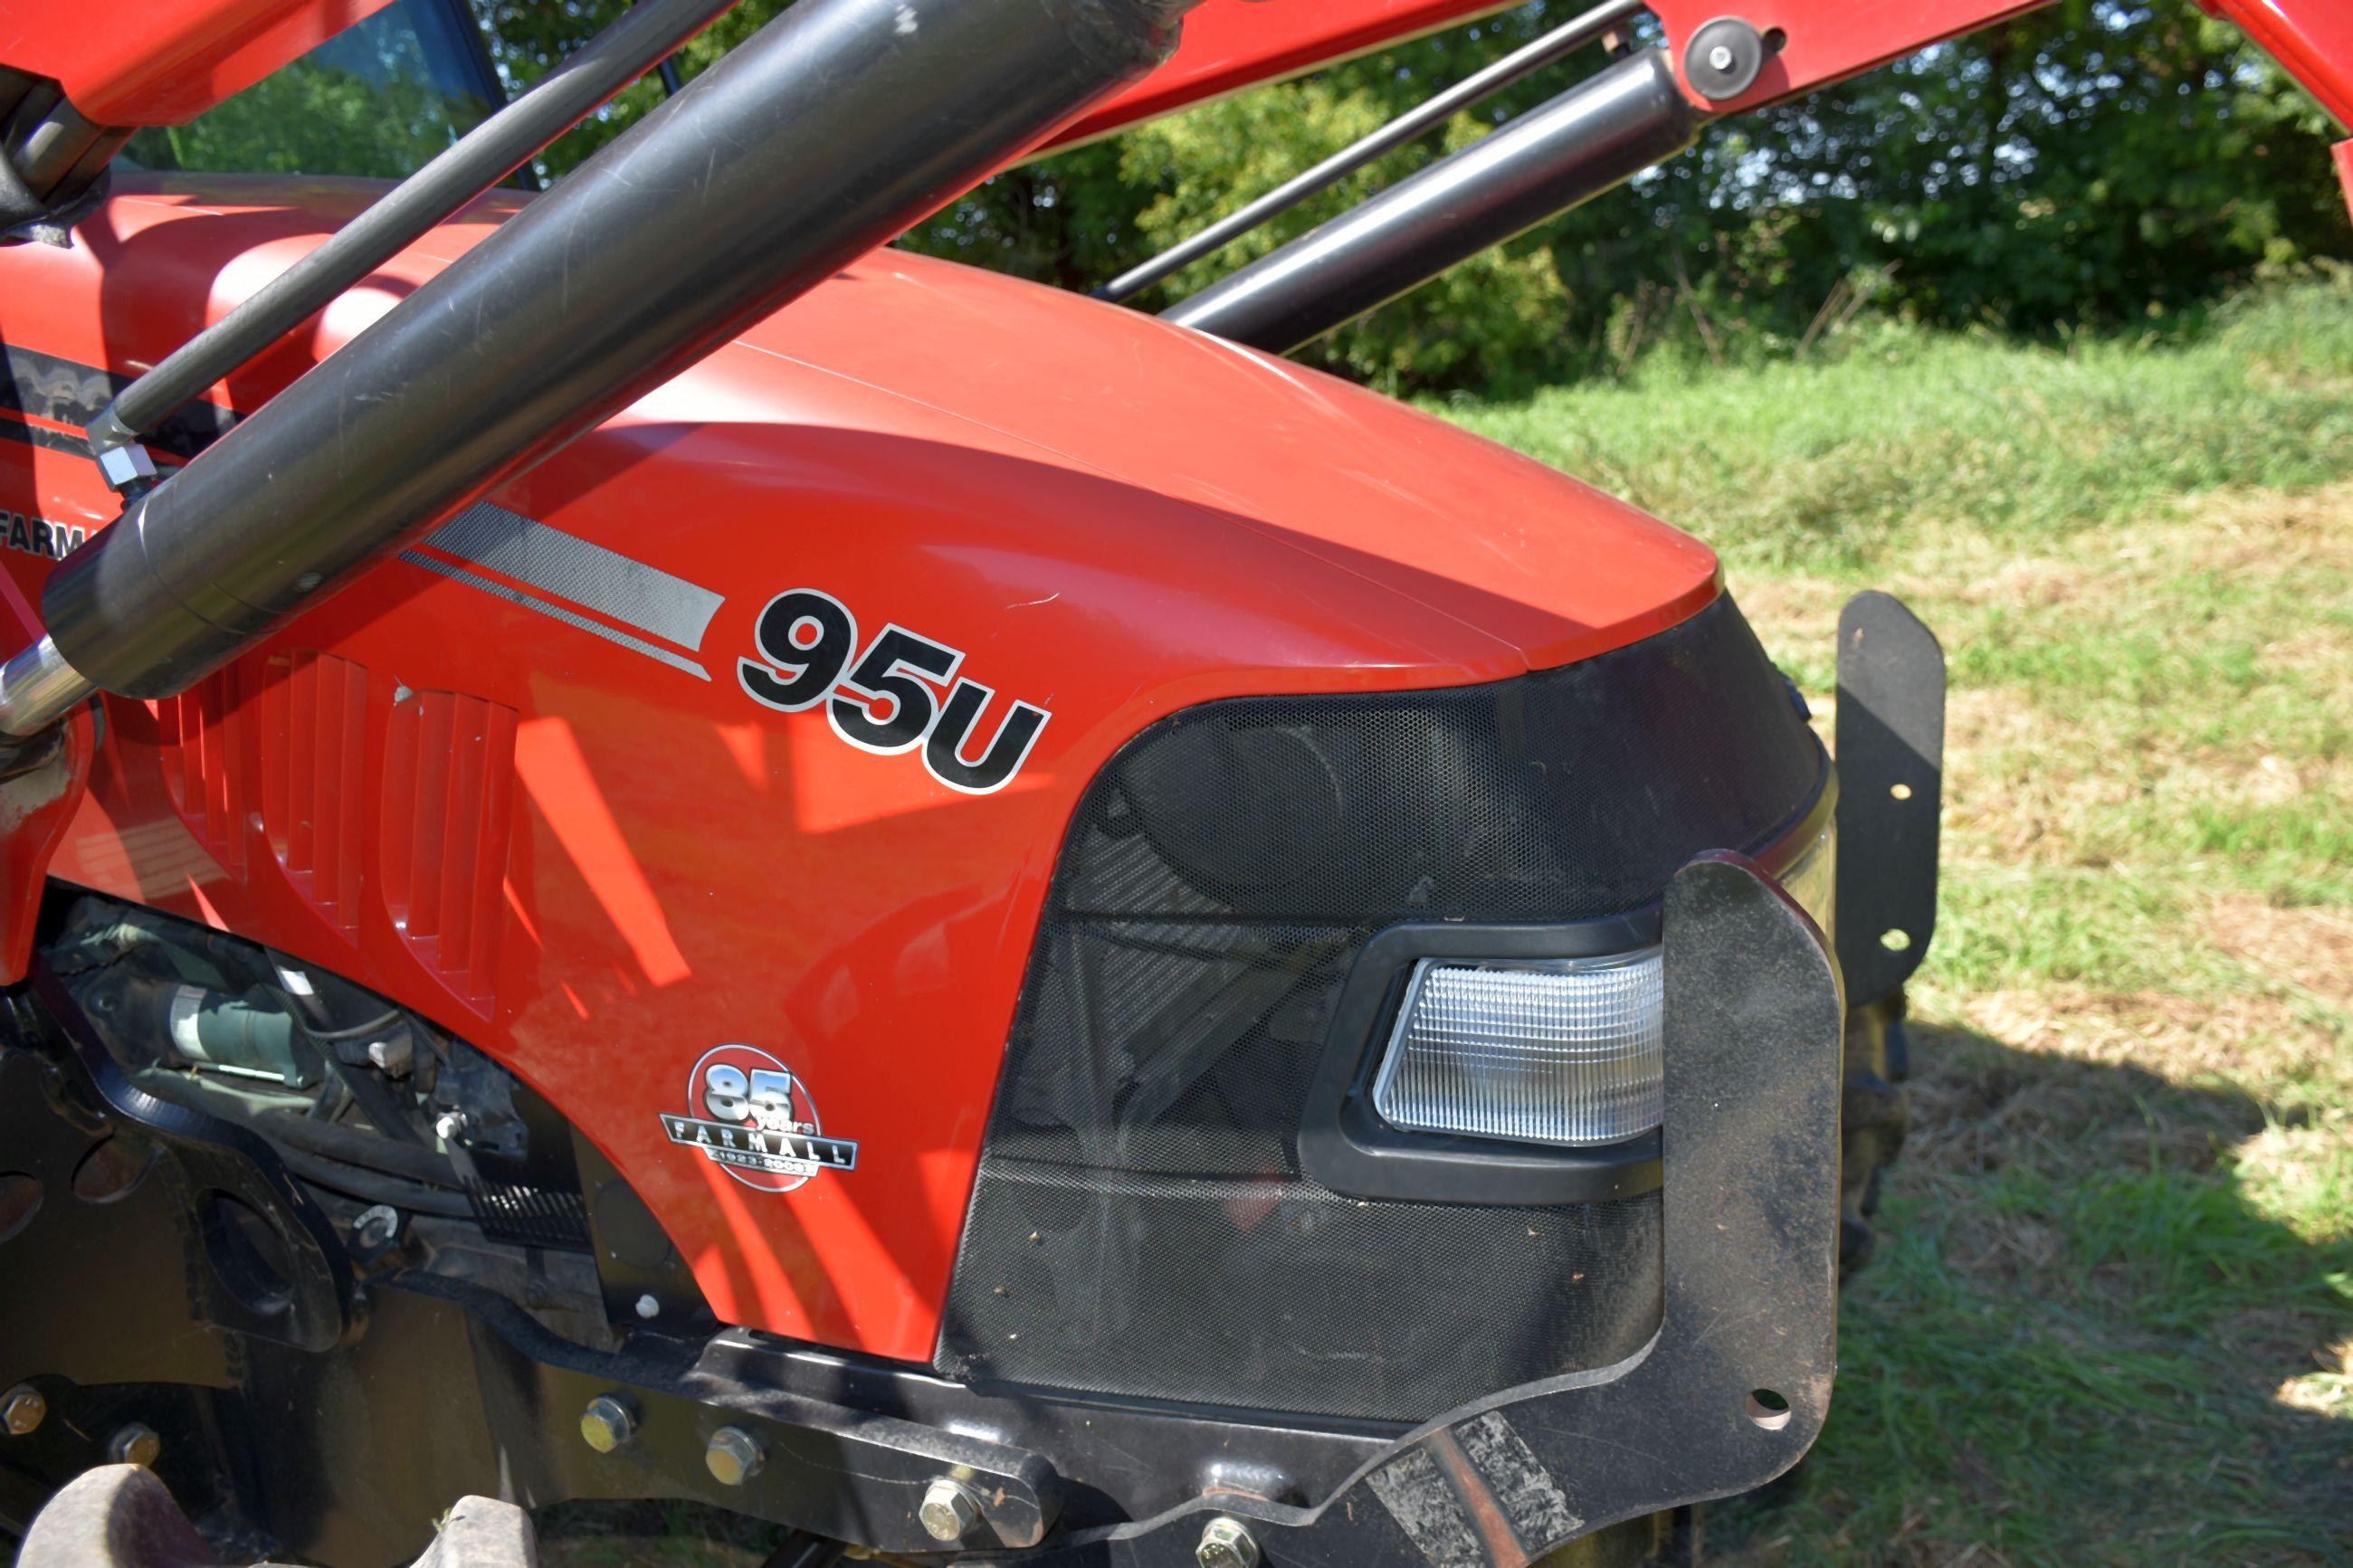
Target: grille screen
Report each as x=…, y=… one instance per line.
x=1140, y=1226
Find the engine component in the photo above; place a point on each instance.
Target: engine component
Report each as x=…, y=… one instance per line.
x=246, y=1035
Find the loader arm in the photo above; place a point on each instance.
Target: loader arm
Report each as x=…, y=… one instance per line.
x=1233, y=43
x=467, y=956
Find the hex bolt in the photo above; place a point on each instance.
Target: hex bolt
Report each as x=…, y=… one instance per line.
x=607, y=1422
x=1719, y=58
x=735, y=1455
x=125, y=467
x=948, y=1510
x=24, y=1409
x=1227, y=1544
x=135, y=1444
x=648, y=1306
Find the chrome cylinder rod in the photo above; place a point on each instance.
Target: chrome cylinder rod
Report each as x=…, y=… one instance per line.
x=38, y=688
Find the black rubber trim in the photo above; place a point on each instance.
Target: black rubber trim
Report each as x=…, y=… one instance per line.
x=1344, y=1145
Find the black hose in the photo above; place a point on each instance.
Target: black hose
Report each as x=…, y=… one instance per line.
x=351, y=1146
x=369, y=1186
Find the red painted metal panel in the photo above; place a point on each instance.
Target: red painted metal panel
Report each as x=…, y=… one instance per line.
x=1821, y=43
x=2312, y=38
x=1109, y=517
x=164, y=62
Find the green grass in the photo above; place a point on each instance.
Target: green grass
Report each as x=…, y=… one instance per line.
x=2111, y=1320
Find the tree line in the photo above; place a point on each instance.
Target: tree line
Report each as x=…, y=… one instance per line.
x=2098, y=164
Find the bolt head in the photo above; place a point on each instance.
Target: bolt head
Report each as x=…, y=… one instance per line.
x=1227, y=1544
x=648, y=1306
x=24, y=1410
x=1719, y=58
x=733, y=1455
x=607, y=1422
x=948, y=1510
x=135, y=1444
x=123, y=466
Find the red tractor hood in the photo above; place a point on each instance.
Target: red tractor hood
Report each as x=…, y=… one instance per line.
x=555, y=779
x=1527, y=568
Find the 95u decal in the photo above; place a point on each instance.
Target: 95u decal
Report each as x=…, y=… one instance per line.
x=902, y=692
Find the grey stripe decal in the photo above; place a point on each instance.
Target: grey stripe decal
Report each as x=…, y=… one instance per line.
x=528, y=602
x=1418, y=1499
x=571, y=568
x=1531, y=1499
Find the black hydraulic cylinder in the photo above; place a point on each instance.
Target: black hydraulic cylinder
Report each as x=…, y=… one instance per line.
x=644, y=36
x=831, y=131
x=1597, y=135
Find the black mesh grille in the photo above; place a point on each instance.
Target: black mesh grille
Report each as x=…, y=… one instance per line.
x=1140, y=1226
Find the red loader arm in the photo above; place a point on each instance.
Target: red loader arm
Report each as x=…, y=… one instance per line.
x=1231, y=44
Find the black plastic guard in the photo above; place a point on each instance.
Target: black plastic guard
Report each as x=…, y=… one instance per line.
x=1891, y=763
x=1732, y=1389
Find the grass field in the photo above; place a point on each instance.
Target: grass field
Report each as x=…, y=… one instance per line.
x=2112, y=1319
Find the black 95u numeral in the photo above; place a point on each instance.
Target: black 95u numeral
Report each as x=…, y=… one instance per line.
x=885, y=699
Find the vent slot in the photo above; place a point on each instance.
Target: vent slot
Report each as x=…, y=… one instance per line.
x=448, y=811
x=201, y=732
x=314, y=722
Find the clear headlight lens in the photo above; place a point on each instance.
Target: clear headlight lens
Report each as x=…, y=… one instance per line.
x=1548, y=1051
x=1555, y=1051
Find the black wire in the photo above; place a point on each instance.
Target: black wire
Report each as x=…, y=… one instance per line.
x=351, y=1146
x=372, y=1187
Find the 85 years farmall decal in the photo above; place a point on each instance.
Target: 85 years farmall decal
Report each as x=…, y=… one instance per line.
x=752, y=1116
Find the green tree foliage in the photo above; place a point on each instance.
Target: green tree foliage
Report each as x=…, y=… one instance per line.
x=2100, y=162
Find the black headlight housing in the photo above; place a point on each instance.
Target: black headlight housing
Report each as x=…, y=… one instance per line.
x=1144, y=1224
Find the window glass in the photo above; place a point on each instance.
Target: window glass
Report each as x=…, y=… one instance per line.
x=379, y=98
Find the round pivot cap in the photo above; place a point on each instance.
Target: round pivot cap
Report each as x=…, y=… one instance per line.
x=735, y=1455
x=1227, y=1544
x=24, y=1410
x=607, y=1422
x=1722, y=59
x=135, y=1444
x=948, y=1510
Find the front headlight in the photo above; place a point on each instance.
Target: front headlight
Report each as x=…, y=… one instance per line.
x=1561, y=1051
x=1549, y=1051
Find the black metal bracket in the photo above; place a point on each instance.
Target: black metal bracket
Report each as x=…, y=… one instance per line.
x=504, y=1398
x=1890, y=762
x=1734, y=1388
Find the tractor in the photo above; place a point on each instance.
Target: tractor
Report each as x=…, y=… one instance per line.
x=655, y=850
